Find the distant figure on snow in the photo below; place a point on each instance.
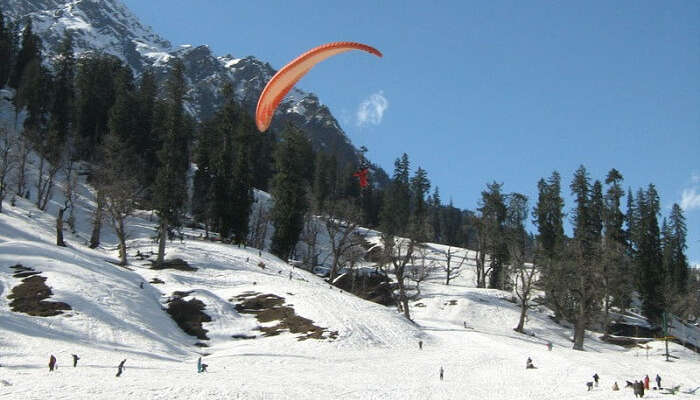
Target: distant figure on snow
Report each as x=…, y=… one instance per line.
x=658, y=381
x=199, y=365
x=204, y=367
x=420, y=345
x=638, y=389
x=589, y=385
x=529, y=364
x=120, y=368
x=595, y=378
x=75, y=360
x=52, y=363
x=615, y=388
x=549, y=346
x=646, y=382
x=442, y=373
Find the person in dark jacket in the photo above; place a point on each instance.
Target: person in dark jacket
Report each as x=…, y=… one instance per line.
x=595, y=378
x=120, y=368
x=52, y=363
x=75, y=360
x=658, y=381
x=442, y=373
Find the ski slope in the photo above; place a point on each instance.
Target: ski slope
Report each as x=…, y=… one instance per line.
x=375, y=354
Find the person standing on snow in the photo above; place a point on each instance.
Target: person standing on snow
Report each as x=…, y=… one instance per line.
x=595, y=378
x=658, y=381
x=120, y=368
x=52, y=363
x=646, y=382
x=442, y=373
x=199, y=365
x=75, y=360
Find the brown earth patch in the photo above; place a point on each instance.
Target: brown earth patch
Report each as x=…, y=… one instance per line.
x=188, y=315
x=176, y=263
x=29, y=296
x=270, y=307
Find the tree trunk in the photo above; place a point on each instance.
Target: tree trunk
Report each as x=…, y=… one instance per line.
x=59, y=228
x=163, y=238
x=402, y=296
x=579, y=332
x=97, y=222
x=121, y=235
x=523, y=313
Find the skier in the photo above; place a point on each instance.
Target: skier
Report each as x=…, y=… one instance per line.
x=52, y=363
x=120, y=368
x=420, y=345
x=658, y=381
x=646, y=382
x=549, y=346
x=442, y=373
x=595, y=378
x=615, y=388
x=75, y=360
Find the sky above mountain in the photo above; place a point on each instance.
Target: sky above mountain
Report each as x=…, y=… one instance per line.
x=485, y=91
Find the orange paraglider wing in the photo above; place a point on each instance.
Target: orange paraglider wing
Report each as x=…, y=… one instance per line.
x=289, y=75
x=362, y=176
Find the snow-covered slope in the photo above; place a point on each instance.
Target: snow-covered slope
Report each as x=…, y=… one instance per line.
x=375, y=354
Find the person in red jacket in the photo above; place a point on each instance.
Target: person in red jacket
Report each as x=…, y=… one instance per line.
x=646, y=382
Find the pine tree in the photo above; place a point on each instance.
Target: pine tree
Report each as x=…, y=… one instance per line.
x=420, y=185
x=649, y=258
x=29, y=53
x=62, y=111
x=290, y=186
x=396, y=209
x=171, y=181
x=5, y=50
x=584, y=253
x=549, y=218
x=491, y=234
x=616, y=264
x=147, y=142
x=679, y=270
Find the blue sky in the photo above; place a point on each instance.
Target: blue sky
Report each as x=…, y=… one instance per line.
x=496, y=90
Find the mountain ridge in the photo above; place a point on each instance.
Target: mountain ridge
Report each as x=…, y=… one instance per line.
x=108, y=26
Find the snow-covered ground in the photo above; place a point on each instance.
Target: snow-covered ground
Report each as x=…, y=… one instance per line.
x=375, y=354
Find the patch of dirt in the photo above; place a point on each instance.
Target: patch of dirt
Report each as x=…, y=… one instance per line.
x=176, y=263
x=29, y=296
x=270, y=307
x=188, y=315
x=624, y=341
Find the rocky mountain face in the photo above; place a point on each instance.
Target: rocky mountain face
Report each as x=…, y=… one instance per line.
x=108, y=26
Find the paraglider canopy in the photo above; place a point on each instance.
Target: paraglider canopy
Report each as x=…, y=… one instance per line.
x=283, y=81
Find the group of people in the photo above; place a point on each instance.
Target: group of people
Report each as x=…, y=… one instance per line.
x=53, y=364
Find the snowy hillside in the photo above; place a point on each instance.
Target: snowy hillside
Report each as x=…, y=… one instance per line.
x=362, y=350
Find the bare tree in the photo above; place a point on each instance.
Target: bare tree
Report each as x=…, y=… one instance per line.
x=6, y=161
x=97, y=219
x=309, y=239
x=341, y=223
x=68, y=194
x=421, y=268
x=22, y=151
x=260, y=221
x=399, y=252
x=451, y=270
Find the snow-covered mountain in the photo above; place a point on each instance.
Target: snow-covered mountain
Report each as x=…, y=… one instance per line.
x=108, y=26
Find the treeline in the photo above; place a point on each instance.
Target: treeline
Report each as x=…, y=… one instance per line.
x=141, y=148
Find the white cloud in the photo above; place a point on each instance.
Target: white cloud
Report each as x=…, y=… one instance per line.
x=371, y=110
x=690, y=199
